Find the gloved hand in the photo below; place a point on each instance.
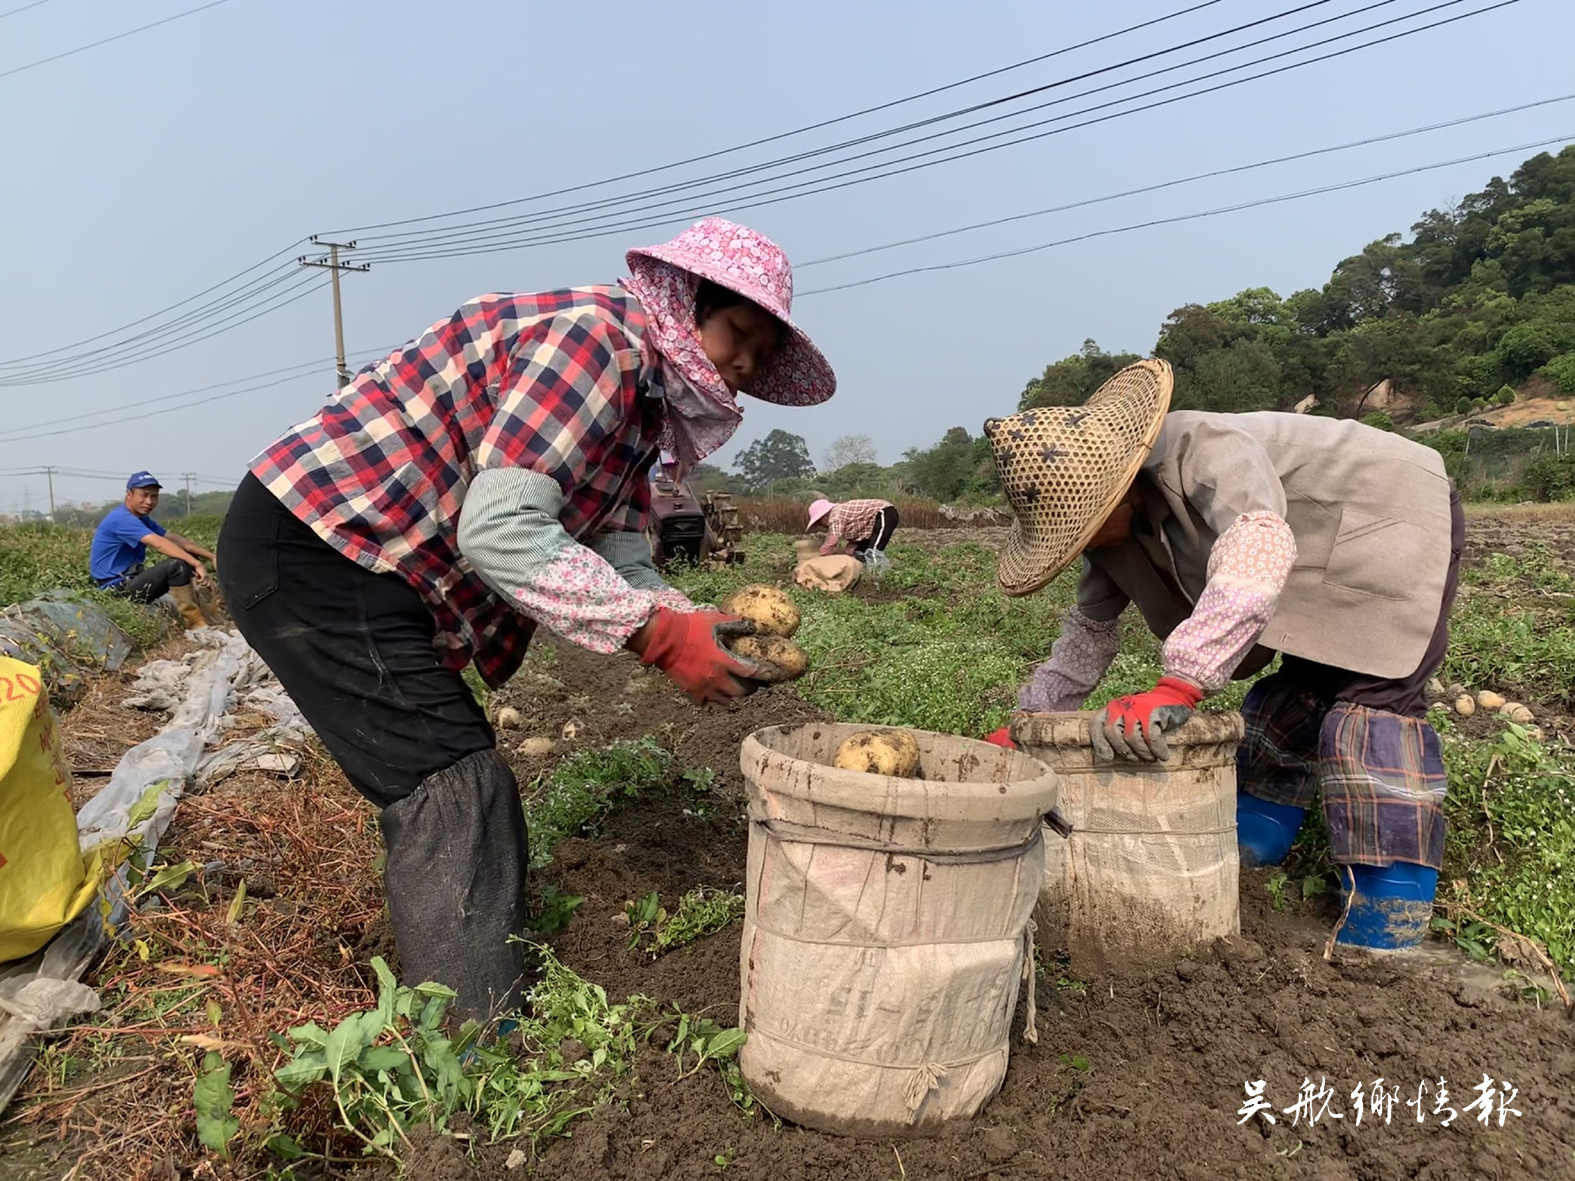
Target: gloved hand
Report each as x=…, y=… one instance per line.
x=1134, y=726
x=1001, y=737
x=687, y=646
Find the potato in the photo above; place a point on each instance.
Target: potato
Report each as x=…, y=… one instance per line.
x=1465, y=706
x=879, y=752
x=1487, y=699
x=767, y=607
x=535, y=748
x=1435, y=688
x=1517, y=713
x=777, y=658
x=508, y=718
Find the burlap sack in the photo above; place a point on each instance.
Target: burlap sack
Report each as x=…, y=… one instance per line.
x=833, y=573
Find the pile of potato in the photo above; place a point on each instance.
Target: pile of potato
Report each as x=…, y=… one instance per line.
x=1466, y=704
x=771, y=648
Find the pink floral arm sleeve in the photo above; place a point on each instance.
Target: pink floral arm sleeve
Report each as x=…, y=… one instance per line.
x=1079, y=658
x=1248, y=567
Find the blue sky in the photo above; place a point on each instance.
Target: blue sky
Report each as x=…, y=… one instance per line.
x=141, y=172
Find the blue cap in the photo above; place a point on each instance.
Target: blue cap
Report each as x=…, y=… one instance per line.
x=142, y=480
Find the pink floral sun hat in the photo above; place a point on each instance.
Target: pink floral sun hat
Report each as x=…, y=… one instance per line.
x=751, y=264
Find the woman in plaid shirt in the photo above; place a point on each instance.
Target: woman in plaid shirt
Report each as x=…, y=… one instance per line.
x=489, y=478
x=865, y=526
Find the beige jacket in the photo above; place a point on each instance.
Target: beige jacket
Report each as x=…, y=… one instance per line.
x=1369, y=510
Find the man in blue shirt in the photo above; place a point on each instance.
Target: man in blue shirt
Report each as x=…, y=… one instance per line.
x=120, y=546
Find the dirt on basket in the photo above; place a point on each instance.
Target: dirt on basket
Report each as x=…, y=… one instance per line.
x=1141, y=1074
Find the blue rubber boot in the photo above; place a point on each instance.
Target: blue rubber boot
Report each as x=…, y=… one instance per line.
x=1265, y=830
x=1390, y=906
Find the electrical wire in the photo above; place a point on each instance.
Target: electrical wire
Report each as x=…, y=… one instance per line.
x=77, y=427
x=1184, y=217
x=44, y=61
x=358, y=231
x=160, y=312
x=74, y=347
x=783, y=161
x=927, y=159
x=291, y=294
x=1388, y=137
x=24, y=8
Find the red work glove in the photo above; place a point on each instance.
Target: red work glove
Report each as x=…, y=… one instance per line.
x=1134, y=726
x=687, y=646
x=1001, y=737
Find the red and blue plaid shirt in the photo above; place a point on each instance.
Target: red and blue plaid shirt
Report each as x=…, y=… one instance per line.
x=555, y=383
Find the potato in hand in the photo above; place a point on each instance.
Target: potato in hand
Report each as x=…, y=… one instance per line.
x=778, y=658
x=767, y=607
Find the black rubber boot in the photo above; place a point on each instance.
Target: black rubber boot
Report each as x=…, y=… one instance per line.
x=455, y=881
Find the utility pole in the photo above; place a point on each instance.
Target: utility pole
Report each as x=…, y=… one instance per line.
x=188, y=477
x=49, y=474
x=332, y=264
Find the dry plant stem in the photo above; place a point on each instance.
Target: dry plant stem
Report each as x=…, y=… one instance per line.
x=1345, y=913
x=1542, y=957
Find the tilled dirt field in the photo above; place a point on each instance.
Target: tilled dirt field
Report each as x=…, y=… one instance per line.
x=1134, y=1075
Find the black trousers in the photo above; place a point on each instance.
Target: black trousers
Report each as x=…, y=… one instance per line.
x=880, y=535
x=146, y=585
x=353, y=649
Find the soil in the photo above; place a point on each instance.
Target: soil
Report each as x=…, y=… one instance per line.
x=1137, y=1072
x=1140, y=1072
x=583, y=701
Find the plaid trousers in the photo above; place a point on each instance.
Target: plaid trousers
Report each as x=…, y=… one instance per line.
x=1381, y=774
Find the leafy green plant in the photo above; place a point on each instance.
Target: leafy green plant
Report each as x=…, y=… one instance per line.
x=402, y=1063
x=555, y=912
x=587, y=785
x=703, y=911
x=213, y=1098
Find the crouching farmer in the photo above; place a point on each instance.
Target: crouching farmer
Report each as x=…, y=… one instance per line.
x=488, y=478
x=120, y=549
x=1239, y=536
x=861, y=527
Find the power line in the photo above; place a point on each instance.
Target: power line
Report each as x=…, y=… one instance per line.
x=161, y=311
x=932, y=157
x=436, y=235
x=44, y=61
x=78, y=427
x=1185, y=217
x=24, y=8
x=115, y=355
x=611, y=180
x=1170, y=184
x=292, y=294
x=81, y=414
x=782, y=135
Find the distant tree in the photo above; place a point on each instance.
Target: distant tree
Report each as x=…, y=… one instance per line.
x=1070, y=381
x=1243, y=377
x=942, y=471
x=778, y=456
x=858, y=449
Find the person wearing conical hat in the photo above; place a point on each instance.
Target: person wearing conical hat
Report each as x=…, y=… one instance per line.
x=487, y=479
x=1238, y=537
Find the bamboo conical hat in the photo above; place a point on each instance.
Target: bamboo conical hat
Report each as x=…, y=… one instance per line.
x=1066, y=468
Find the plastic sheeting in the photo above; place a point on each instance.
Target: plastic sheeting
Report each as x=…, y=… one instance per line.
x=67, y=636
x=38, y=993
